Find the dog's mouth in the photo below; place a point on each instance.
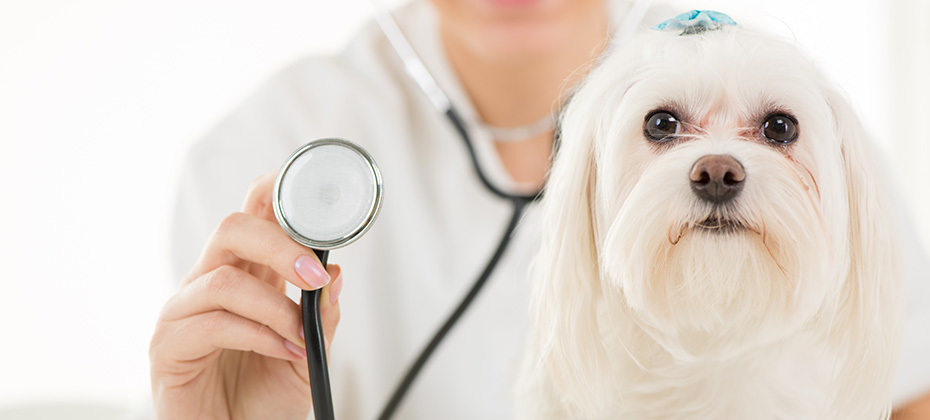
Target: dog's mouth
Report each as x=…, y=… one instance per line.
x=717, y=224
x=714, y=224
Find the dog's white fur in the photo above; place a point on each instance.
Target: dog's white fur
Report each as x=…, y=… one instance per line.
x=641, y=315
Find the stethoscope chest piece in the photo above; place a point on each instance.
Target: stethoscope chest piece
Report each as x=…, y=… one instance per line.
x=327, y=194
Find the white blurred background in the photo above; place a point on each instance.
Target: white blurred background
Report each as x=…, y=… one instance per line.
x=99, y=99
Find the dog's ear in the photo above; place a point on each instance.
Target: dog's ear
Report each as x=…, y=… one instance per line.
x=869, y=315
x=565, y=351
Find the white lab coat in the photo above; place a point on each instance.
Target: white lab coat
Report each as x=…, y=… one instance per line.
x=437, y=228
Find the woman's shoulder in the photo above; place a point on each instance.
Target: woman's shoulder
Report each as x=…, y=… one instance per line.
x=314, y=88
x=365, y=80
x=317, y=96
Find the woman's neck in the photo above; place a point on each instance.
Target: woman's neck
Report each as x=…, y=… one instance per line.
x=521, y=89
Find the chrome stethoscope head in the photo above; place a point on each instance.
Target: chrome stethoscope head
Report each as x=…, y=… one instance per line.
x=327, y=194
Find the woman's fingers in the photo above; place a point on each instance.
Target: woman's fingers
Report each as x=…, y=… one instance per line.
x=229, y=308
x=244, y=238
x=258, y=200
x=329, y=305
x=234, y=290
x=195, y=337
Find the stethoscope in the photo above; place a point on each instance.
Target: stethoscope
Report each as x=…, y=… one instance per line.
x=329, y=192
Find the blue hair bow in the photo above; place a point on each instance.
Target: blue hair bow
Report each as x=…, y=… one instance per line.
x=696, y=21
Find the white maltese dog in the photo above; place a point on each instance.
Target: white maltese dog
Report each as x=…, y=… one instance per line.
x=716, y=244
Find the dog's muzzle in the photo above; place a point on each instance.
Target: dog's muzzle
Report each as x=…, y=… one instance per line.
x=717, y=178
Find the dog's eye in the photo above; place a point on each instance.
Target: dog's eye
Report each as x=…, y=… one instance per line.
x=780, y=128
x=660, y=126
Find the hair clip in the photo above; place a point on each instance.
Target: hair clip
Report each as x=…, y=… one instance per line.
x=696, y=21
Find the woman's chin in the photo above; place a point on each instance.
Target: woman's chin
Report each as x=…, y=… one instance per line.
x=518, y=30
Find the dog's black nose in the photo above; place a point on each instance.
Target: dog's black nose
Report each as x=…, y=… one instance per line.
x=717, y=178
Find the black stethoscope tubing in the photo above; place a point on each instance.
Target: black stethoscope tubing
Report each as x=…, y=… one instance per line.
x=519, y=205
x=321, y=393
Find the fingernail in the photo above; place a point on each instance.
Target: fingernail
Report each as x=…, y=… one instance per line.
x=302, y=337
x=311, y=272
x=326, y=342
x=335, y=288
x=297, y=351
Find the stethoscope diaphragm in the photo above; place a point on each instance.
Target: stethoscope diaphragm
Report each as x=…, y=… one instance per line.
x=327, y=194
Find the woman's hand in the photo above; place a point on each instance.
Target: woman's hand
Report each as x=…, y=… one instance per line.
x=229, y=343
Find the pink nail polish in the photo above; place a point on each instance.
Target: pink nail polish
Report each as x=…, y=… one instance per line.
x=297, y=351
x=311, y=272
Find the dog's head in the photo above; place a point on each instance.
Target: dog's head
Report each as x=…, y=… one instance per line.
x=715, y=187
x=719, y=192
